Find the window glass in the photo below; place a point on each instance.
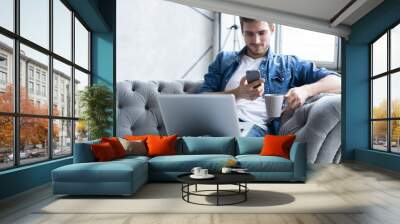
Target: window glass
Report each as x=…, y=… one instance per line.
x=39, y=61
x=395, y=136
x=81, y=45
x=379, y=97
x=308, y=45
x=81, y=81
x=379, y=135
x=7, y=14
x=395, y=47
x=6, y=74
x=34, y=144
x=62, y=91
x=81, y=131
x=395, y=95
x=379, y=56
x=231, y=38
x=6, y=142
x=35, y=21
x=62, y=138
x=62, y=29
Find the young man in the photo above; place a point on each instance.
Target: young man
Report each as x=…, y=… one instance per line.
x=281, y=74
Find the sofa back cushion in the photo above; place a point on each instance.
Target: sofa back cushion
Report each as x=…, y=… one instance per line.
x=83, y=152
x=207, y=145
x=249, y=145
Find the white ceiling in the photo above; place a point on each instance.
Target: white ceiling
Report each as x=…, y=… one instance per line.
x=316, y=15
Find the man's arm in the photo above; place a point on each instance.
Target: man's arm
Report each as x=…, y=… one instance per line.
x=245, y=91
x=298, y=95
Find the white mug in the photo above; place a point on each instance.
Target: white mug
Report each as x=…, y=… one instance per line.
x=226, y=170
x=273, y=103
x=196, y=170
x=203, y=172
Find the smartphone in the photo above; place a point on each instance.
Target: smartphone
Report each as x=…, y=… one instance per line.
x=252, y=75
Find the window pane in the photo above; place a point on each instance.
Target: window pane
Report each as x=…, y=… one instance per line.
x=379, y=135
x=81, y=45
x=62, y=29
x=308, y=45
x=33, y=139
x=395, y=138
x=379, y=56
x=395, y=47
x=81, y=131
x=34, y=97
x=379, y=98
x=395, y=94
x=231, y=39
x=6, y=142
x=81, y=81
x=62, y=89
x=7, y=14
x=62, y=138
x=6, y=74
x=35, y=21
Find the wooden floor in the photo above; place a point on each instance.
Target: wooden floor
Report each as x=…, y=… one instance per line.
x=378, y=188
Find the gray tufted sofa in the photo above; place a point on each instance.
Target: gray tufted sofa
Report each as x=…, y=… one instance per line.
x=317, y=123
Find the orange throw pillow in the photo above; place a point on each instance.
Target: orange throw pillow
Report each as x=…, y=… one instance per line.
x=103, y=151
x=136, y=137
x=116, y=145
x=161, y=145
x=275, y=145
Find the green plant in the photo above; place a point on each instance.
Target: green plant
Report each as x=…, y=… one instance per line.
x=96, y=102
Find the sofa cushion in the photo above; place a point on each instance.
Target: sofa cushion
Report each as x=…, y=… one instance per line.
x=111, y=171
x=83, y=152
x=185, y=163
x=257, y=163
x=249, y=145
x=208, y=145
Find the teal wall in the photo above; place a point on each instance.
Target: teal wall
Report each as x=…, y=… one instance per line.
x=24, y=178
x=99, y=16
x=356, y=85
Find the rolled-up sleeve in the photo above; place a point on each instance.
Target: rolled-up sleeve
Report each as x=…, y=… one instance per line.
x=306, y=72
x=213, y=78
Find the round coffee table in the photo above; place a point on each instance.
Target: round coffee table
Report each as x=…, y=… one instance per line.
x=238, y=179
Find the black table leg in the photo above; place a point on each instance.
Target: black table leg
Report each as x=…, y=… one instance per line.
x=217, y=194
x=245, y=193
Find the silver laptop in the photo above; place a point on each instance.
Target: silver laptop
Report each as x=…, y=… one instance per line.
x=199, y=114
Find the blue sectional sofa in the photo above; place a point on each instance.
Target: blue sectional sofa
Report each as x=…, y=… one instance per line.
x=125, y=176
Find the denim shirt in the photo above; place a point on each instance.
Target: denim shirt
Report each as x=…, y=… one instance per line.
x=280, y=72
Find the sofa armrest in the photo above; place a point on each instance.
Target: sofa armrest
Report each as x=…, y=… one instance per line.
x=83, y=152
x=298, y=155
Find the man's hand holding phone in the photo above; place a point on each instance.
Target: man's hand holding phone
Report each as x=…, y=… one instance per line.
x=249, y=91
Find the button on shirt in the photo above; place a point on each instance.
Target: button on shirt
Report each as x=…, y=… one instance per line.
x=248, y=110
